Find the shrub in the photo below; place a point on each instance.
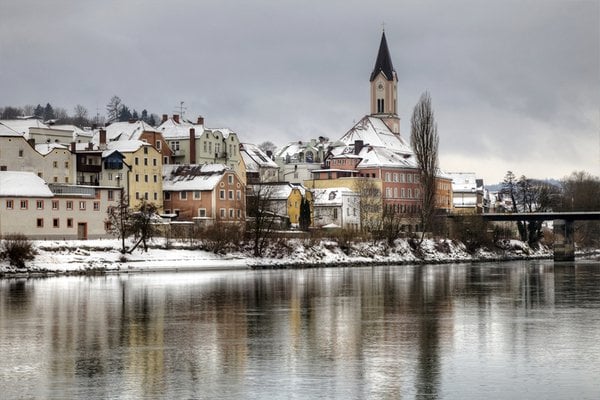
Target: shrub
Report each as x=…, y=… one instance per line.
x=17, y=249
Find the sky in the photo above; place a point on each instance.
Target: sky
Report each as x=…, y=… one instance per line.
x=515, y=85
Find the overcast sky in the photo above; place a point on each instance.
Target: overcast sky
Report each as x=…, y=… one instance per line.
x=515, y=85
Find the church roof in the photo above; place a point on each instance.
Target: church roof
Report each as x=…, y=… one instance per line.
x=383, y=62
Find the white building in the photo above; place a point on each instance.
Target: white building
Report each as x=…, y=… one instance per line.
x=336, y=208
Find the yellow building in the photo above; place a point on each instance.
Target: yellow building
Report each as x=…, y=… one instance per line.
x=144, y=177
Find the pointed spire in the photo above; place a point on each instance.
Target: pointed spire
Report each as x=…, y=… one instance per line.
x=383, y=62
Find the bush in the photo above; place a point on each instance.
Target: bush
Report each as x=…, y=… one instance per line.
x=17, y=249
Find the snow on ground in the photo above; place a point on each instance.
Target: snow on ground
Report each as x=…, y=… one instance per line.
x=90, y=256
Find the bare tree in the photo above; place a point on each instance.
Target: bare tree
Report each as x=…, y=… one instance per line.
x=581, y=192
x=80, y=115
x=113, y=108
x=370, y=207
x=117, y=220
x=424, y=140
x=262, y=218
x=143, y=224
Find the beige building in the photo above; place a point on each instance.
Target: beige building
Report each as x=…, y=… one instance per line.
x=52, y=162
x=40, y=211
x=193, y=143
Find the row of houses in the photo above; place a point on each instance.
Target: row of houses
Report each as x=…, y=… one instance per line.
x=207, y=175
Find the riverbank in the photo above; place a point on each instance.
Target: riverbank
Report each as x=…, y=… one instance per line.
x=103, y=256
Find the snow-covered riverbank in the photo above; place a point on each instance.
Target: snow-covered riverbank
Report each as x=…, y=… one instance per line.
x=103, y=256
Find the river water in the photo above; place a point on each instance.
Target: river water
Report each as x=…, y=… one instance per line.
x=498, y=331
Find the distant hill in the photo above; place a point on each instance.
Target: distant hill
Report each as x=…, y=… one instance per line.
x=496, y=187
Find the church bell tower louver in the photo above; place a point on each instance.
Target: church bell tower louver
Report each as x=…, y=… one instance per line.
x=384, y=88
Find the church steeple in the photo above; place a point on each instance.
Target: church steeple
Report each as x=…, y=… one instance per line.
x=383, y=62
x=384, y=86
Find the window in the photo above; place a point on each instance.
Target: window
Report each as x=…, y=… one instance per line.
x=82, y=205
x=174, y=145
x=388, y=192
x=402, y=178
x=55, y=164
x=55, y=223
x=387, y=177
x=55, y=179
x=155, y=178
x=69, y=205
x=196, y=195
x=183, y=195
x=165, y=160
x=24, y=204
x=239, y=194
x=69, y=222
x=111, y=195
x=158, y=145
x=409, y=178
x=335, y=213
x=167, y=195
x=9, y=204
x=40, y=174
x=221, y=194
x=154, y=162
x=66, y=179
x=155, y=196
x=222, y=213
x=137, y=177
x=146, y=178
x=136, y=161
x=39, y=204
x=40, y=222
x=230, y=179
x=396, y=192
x=409, y=192
x=231, y=195
x=145, y=195
x=96, y=206
x=66, y=164
x=145, y=149
x=231, y=213
x=145, y=161
x=202, y=212
x=20, y=153
x=395, y=177
x=239, y=212
x=204, y=145
x=403, y=193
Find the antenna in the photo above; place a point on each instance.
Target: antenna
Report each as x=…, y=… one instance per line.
x=181, y=109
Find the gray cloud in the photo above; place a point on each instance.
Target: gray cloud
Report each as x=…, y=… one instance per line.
x=515, y=85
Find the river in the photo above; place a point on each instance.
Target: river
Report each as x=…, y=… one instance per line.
x=510, y=330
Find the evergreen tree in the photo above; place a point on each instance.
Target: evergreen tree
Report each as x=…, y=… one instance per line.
x=48, y=112
x=124, y=114
x=144, y=116
x=304, y=217
x=135, y=115
x=38, y=112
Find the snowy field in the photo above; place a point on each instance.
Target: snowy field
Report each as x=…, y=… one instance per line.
x=89, y=256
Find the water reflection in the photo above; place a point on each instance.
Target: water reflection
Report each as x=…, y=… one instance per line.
x=378, y=332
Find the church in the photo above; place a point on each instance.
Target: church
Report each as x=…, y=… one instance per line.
x=374, y=156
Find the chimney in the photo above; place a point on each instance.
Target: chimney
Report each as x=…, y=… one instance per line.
x=192, y=146
x=132, y=120
x=102, y=138
x=270, y=154
x=31, y=142
x=73, y=147
x=90, y=146
x=358, y=145
x=200, y=121
x=165, y=117
x=176, y=118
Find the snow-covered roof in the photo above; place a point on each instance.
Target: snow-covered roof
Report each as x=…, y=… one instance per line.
x=77, y=131
x=22, y=125
x=125, y=131
x=126, y=146
x=463, y=181
x=23, y=184
x=178, y=178
x=47, y=148
x=8, y=131
x=373, y=131
x=178, y=130
x=255, y=158
x=384, y=157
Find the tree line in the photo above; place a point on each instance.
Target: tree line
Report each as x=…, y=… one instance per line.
x=116, y=111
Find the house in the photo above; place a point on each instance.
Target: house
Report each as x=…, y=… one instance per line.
x=143, y=175
x=51, y=162
x=336, y=207
x=283, y=199
x=205, y=193
x=30, y=206
x=297, y=160
x=468, y=194
x=137, y=130
x=258, y=165
x=193, y=143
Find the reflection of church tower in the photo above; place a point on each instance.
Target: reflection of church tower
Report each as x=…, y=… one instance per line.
x=384, y=85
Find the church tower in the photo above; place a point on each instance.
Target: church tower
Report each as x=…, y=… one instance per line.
x=384, y=86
